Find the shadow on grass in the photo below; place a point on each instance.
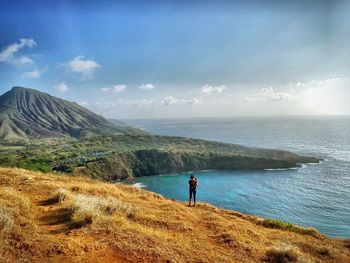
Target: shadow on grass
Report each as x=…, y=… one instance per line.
x=61, y=221
x=50, y=201
x=57, y=217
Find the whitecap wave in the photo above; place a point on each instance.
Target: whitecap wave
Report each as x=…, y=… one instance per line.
x=139, y=185
x=282, y=169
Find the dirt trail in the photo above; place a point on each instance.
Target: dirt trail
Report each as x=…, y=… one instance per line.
x=68, y=242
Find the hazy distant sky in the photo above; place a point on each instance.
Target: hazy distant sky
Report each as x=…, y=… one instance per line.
x=139, y=59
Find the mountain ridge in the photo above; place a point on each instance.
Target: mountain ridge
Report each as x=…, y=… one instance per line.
x=29, y=113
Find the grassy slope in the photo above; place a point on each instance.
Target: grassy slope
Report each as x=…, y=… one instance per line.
x=73, y=219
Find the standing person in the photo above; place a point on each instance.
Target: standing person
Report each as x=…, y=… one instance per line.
x=193, y=184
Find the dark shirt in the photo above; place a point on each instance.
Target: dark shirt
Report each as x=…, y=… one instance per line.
x=193, y=184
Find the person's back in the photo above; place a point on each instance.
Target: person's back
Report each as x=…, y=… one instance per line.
x=193, y=184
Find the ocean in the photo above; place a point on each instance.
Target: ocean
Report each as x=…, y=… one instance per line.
x=315, y=195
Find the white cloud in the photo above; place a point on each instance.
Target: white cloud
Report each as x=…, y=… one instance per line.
x=270, y=93
x=85, y=67
x=327, y=96
x=210, y=90
x=148, y=86
x=21, y=61
x=170, y=100
x=116, y=88
x=318, y=82
x=119, y=88
x=62, y=87
x=106, y=89
x=323, y=96
x=33, y=74
x=8, y=54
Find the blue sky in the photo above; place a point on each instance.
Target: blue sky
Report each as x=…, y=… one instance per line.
x=145, y=59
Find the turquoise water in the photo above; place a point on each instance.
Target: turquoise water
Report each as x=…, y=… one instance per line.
x=314, y=195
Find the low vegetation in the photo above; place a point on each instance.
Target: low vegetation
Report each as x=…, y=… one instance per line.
x=60, y=195
x=116, y=157
x=75, y=219
x=284, y=254
x=87, y=209
x=274, y=223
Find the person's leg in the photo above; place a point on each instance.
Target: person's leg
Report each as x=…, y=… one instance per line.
x=194, y=197
x=189, y=201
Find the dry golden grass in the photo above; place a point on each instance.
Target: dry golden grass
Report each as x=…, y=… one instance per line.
x=88, y=209
x=284, y=254
x=16, y=221
x=61, y=195
x=75, y=219
x=6, y=219
x=15, y=209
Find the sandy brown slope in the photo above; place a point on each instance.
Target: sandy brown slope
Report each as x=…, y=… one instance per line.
x=46, y=218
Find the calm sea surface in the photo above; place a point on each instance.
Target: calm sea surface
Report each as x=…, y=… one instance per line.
x=315, y=195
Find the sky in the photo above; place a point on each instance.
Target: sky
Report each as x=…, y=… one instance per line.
x=175, y=59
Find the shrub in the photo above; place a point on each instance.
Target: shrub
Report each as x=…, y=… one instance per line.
x=283, y=254
x=6, y=219
x=227, y=238
x=278, y=224
x=88, y=209
x=325, y=251
x=61, y=195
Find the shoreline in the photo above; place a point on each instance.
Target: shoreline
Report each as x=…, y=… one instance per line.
x=178, y=194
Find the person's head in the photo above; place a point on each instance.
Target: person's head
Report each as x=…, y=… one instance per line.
x=192, y=177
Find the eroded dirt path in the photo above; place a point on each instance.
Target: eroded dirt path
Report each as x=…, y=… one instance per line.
x=68, y=243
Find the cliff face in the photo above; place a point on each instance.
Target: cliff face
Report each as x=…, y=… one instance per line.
x=156, y=162
x=50, y=218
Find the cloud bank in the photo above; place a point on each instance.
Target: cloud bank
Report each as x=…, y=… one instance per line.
x=170, y=100
x=270, y=94
x=210, y=90
x=9, y=53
